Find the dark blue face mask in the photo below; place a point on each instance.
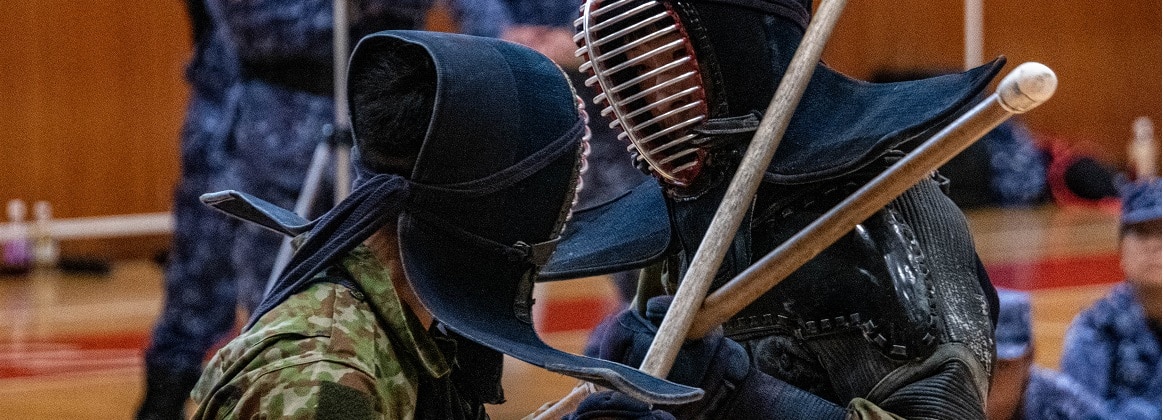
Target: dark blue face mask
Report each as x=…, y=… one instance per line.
x=483, y=207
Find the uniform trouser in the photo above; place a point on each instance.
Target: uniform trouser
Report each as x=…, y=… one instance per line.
x=204, y=284
x=217, y=263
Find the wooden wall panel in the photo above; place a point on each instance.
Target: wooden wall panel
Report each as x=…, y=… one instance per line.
x=876, y=34
x=96, y=103
x=92, y=95
x=91, y=99
x=1106, y=54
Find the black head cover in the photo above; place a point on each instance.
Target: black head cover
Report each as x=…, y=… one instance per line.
x=492, y=187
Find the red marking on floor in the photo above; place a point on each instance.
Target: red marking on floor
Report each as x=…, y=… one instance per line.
x=71, y=354
x=1057, y=272
x=104, y=351
x=574, y=314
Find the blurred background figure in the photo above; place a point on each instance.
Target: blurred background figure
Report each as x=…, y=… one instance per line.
x=1113, y=347
x=1013, y=167
x=1019, y=390
x=261, y=97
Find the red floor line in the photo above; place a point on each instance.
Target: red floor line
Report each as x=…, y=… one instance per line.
x=77, y=353
x=1057, y=272
x=579, y=313
x=72, y=353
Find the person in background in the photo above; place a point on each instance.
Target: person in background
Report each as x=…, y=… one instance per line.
x=1075, y=177
x=1020, y=168
x=1113, y=347
x=1019, y=390
x=261, y=97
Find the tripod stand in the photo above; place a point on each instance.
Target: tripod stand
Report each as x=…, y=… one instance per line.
x=335, y=146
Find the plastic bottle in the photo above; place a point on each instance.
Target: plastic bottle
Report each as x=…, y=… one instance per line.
x=16, y=249
x=45, y=251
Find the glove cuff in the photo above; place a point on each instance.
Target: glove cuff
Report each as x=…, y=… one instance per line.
x=761, y=393
x=615, y=405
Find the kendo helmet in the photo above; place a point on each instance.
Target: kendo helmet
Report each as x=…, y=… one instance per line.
x=687, y=82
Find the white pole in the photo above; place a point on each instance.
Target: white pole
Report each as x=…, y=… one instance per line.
x=340, y=47
x=102, y=226
x=973, y=34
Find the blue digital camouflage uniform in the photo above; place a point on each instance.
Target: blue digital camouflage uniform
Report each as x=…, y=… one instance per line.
x=559, y=13
x=1019, y=170
x=1047, y=394
x=1111, y=350
x=327, y=352
x=1052, y=395
x=503, y=13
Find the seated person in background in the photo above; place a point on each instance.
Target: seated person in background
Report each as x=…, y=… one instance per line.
x=1075, y=177
x=1113, y=347
x=400, y=301
x=1020, y=390
x=1011, y=166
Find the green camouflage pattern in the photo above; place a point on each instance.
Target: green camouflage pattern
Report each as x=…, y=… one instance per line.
x=328, y=334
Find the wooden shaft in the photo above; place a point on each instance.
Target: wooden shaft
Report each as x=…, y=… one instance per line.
x=563, y=407
x=1024, y=88
x=737, y=199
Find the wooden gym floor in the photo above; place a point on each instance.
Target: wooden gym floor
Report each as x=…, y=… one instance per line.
x=70, y=346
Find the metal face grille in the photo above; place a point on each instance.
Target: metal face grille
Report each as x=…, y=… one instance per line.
x=645, y=69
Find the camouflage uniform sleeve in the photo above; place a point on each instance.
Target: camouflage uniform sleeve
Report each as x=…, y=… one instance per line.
x=319, y=390
x=320, y=354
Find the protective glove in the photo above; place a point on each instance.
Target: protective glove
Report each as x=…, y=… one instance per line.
x=734, y=387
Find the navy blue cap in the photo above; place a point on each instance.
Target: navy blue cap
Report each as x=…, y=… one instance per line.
x=1140, y=201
